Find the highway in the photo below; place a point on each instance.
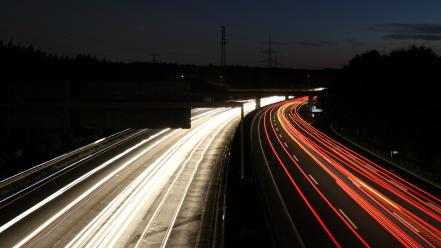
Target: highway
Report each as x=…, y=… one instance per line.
x=333, y=196
x=146, y=191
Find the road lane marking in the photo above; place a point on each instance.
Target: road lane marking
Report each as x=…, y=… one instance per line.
x=294, y=156
x=313, y=179
x=405, y=222
x=280, y=135
x=277, y=129
x=285, y=144
x=108, y=226
x=172, y=224
x=347, y=218
x=294, y=227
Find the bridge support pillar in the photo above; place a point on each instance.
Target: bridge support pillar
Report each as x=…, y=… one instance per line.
x=286, y=97
x=242, y=144
x=258, y=102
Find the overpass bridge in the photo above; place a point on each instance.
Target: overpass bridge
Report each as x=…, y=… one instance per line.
x=116, y=104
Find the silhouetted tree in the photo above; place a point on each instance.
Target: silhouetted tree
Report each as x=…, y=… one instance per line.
x=392, y=100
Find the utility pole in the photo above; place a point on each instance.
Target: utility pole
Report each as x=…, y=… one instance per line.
x=223, y=58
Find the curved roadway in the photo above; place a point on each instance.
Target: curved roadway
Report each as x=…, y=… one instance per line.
x=335, y=197
x=147, y=191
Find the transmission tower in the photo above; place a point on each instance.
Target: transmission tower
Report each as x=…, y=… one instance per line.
x=223, y=58
x=270, y=59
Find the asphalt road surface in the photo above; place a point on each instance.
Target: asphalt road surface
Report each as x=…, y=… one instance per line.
x=146, y=191
x=335, y=197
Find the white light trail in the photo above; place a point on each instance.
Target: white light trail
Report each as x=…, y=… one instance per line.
x=108, y=227
x=133, y=198
x=86, y=193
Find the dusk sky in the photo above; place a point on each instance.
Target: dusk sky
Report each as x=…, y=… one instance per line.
x=307, y=34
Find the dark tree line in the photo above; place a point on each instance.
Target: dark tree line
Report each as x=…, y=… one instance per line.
x=23, y=148
x=31, y=64
x=392, y=101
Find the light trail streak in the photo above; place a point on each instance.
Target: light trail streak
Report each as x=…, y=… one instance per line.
x=352, y=157
x=167, y=236
x=324, y=226
x=388, y=201
x=431, y=230
x=156, y=173
x=41, y=166
x=302, y=195
x=341, y=163
x=59, y=172
x=108, y=226
x=113, y=220
x=85, y=194
x=70, y=185
x=85, y=177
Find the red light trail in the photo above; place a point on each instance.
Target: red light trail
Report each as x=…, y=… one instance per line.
x=408, y=213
